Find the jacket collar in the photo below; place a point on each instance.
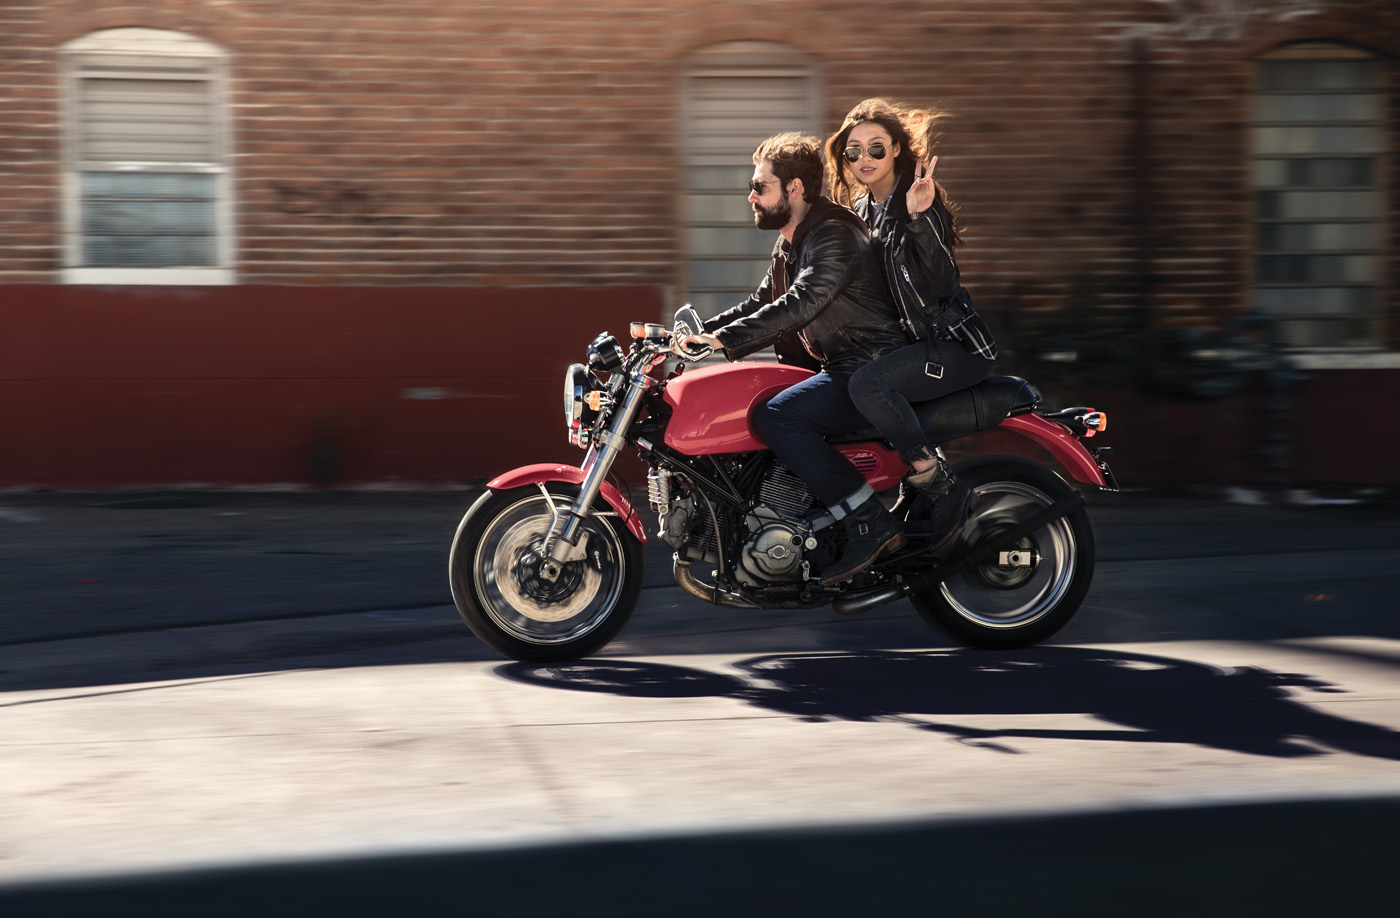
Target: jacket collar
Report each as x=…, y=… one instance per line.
x=822, y=209
x=894, y=204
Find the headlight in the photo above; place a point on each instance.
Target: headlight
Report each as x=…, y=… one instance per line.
x=604, y=354
x=578, y=417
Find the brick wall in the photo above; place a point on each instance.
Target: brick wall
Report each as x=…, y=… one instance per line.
x=476, y=142
x=535, y=143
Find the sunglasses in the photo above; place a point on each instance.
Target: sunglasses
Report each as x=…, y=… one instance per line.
x=756, y=187
x=876, y=151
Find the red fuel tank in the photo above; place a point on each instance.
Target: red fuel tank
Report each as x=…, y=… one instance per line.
x=711, y=407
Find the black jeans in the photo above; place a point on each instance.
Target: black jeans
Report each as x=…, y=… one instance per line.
x=794, y=424
x=884, y=388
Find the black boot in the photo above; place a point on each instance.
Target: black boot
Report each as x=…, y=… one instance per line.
x=908, y=496
x=949, y=497
x=871, y=531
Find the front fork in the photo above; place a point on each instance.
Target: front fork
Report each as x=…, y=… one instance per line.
x=567, y=539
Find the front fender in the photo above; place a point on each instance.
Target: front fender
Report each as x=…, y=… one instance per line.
x=570, y=474
x=1061, y=444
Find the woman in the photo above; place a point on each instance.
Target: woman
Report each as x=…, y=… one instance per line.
x=878, y=168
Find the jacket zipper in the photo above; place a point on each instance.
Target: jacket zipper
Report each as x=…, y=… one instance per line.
x=923, y=307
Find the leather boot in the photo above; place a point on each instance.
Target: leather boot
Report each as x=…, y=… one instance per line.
x=908, y=496
x=871, y=531
x=950, y=499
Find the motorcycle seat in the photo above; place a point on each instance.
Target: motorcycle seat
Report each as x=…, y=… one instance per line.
x=966, y=411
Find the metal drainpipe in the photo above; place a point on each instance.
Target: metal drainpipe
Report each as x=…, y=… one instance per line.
x=1139, y=154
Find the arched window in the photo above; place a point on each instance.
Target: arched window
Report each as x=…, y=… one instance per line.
x=146, y=191
x=1319, y=135
x=734, y=96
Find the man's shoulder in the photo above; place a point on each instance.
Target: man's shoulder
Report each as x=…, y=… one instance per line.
x=836, y=230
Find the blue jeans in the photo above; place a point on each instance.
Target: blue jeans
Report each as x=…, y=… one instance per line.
x=794, y=424
x=884, y=388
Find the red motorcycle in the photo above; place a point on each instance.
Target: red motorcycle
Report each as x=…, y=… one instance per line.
x=547, y=564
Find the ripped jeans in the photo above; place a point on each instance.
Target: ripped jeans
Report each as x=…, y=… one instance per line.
x=884, y=388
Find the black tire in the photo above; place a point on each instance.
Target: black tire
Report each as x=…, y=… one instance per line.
x=998, y=605
x=495, y=584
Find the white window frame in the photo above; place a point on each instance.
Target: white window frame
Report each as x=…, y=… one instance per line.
x=155, y=54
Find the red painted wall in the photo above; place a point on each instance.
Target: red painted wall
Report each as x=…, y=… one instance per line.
x=273, y=385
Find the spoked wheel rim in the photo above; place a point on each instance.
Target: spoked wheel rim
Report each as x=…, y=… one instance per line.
x=522, y=603
x=1021, y=582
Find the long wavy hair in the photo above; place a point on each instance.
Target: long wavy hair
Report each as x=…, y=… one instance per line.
x=916, y=132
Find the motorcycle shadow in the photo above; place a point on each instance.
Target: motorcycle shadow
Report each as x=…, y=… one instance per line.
x=1161, y=699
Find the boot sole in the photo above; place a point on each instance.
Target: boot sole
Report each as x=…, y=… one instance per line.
x=894, y=542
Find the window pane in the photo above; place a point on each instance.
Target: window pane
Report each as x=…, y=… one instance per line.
x=738, y=240
x=1304, y=75
x=713, y=302
x=733, y=273
x=1315, y=269
x=1318, y=139
x=731, y=207
x=1313, y=173
x=1320, y=107
x=715, y=178
x=1316, y=205
x=148, y=251
x=148, y=219
x=1316, y=237
x=1314, y=301
x=1321, y=173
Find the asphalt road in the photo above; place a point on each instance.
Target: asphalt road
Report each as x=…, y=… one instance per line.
x=259, y=702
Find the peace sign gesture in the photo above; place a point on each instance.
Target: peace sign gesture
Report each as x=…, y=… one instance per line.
x=920, y=195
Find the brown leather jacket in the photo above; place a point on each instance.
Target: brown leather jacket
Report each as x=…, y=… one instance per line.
x=826, y=290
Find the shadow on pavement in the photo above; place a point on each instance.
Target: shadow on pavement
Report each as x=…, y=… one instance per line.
x=1320, y=857
x=1161, y=699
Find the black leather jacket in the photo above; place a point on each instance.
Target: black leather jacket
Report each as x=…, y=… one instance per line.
x=836, y=301
x=918, y=262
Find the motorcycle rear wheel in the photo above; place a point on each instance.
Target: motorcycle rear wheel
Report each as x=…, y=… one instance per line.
x=1027, y=592
x=494, y=567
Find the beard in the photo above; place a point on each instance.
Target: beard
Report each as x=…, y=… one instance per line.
x=774, y=218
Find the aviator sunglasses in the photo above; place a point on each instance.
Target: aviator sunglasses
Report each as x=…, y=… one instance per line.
x=876, y=151
x=757, y=187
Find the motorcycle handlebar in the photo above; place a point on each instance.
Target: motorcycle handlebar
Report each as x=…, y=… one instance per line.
x=699, y=353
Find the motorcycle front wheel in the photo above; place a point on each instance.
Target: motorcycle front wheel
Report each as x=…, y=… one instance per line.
x=1027, y=591
x=497, y=586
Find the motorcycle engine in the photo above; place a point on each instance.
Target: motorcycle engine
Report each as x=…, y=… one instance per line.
x=777, y=535
x=773, y=551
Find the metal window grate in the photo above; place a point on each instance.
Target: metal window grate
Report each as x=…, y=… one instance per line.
x=1318, y=132
x=735, y=95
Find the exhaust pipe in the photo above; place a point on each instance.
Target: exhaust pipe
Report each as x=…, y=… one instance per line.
x=705, y=591
x=864, y=602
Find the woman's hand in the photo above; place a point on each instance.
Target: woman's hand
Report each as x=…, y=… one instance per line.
x=920, y=195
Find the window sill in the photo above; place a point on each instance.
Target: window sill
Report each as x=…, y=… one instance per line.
x=1345, y=360
x=188, y=277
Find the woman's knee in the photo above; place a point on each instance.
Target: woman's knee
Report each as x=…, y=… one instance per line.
x=869, y=391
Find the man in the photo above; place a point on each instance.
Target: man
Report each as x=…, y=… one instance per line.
x=824, y=304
